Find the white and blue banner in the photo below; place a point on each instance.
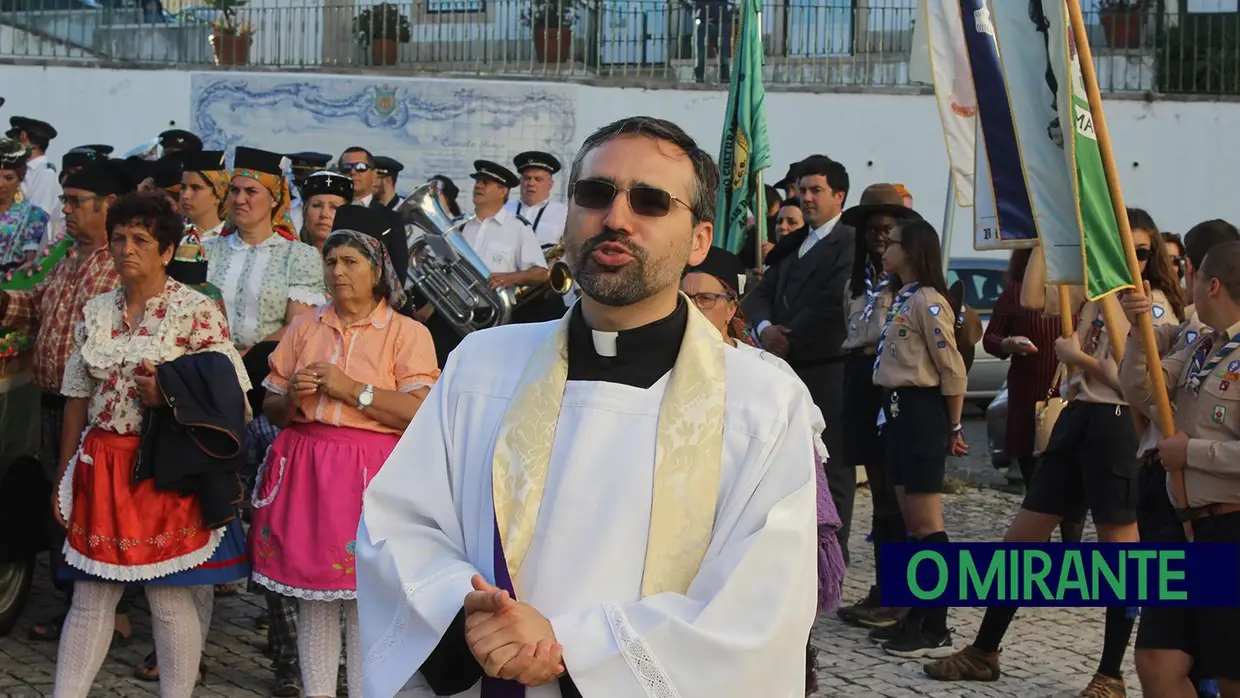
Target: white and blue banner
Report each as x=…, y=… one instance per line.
x=1003, y=212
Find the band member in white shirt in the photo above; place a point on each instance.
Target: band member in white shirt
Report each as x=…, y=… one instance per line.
x=41, y=186
x=503, y=240
x=546, y=217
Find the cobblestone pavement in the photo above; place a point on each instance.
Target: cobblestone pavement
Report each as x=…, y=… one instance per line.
x=1050, y=652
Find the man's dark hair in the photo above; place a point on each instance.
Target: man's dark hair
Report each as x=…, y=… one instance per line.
x=150, y=210
x=1223, y=263
x=835, y=173
x=705, y=171
x=1205, y=236
x=370, y=158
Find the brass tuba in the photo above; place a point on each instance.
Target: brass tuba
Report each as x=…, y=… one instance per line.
x=447, y=270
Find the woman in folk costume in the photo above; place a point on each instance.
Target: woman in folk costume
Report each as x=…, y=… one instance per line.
x=22, y=224
x=126, y=530
x=1090, y=462
x=340, y=415
x=923, y=377
x=204, y=192
x=868, y=297
x=715, y=287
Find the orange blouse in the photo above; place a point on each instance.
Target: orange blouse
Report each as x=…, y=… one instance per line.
x=386, y=350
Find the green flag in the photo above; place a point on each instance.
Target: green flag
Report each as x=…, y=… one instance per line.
x=1106, y=266
x=746, y=150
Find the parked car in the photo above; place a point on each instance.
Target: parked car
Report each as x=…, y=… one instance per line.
x=996, y=429
x=983, y=283
x=25, y=494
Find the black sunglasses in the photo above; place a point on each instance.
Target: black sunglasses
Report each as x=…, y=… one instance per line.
x=358, y=167
x=597, y=195
x=1144, y=254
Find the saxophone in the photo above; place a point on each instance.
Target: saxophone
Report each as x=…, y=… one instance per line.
x=559, y=278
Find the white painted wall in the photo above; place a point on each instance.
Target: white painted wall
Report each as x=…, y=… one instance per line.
x=1176, y=158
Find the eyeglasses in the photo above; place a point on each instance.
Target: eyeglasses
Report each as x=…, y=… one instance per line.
x=75, y=200
x=1179, y=260
x=1144, y=254
x=706, y=300
x=358, y=167
x=881, y=231
x=597, y=195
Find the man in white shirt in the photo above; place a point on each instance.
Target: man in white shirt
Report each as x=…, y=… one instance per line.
x=613, y=505
x=503, y=240
x=546, y=217
x=41, y=187
x=798, y=309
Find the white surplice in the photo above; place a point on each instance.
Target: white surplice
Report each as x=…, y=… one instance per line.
x=428, y=525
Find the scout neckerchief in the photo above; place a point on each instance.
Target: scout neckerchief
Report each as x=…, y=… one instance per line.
x=687, y=457
x=897, y=307
x=1199, y=368
x=871, y=294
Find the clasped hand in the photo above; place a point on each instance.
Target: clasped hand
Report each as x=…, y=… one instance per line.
x=510, y=639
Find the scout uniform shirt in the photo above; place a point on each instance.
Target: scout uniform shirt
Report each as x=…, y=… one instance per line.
x=864, y=326
x=504, y=243
x=919, y=346
x=1171, y=339
x=1095, y=339
x=1206, y=399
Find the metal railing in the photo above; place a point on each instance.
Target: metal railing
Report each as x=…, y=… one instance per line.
x=862, y=43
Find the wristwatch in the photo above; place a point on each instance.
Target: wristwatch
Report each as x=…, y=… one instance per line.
x=366, y=397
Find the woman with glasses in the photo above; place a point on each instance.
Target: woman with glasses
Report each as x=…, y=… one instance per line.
x=1090, y=463
x=714, y=286
x=869, y=295
x=1175, y=250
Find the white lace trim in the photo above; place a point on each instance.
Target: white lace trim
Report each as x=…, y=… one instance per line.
x=305, y=594
x=262, y=478
x=143, y=573
x=641, y=660
x=396, y=631
x=299, y=294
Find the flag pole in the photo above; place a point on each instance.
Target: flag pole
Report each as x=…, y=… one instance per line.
x=949, y=218
x=1145, y=323
x=763, y=204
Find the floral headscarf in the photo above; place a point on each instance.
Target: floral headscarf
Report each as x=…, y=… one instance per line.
x=277, y=185
x=219, y=181
x=377, y=255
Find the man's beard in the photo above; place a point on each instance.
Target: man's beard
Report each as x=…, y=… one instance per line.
x=615, y=286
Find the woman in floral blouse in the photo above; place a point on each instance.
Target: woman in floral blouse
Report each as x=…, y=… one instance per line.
x=267, y=277
x=120, y=531
x=341, y=414
x=22, y=224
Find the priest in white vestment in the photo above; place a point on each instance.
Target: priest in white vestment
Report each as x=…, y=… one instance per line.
x=610, y=505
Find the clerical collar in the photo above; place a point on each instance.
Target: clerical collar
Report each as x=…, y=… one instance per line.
x=638, y=357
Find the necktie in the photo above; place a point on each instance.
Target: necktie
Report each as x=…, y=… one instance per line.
x=897, y=307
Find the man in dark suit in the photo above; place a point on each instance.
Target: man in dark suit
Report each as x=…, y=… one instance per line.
x=798, y=309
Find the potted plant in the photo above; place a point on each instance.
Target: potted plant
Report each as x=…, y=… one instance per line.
x=552, y=25
x=383, y=26
x=230, y=37
x=1123, y=21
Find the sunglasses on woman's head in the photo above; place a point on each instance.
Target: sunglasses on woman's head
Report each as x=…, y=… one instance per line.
x=598, y=195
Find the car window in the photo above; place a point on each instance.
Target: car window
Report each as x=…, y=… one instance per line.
x=981, y=286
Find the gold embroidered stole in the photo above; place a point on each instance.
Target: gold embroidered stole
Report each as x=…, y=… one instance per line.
x=688, y=451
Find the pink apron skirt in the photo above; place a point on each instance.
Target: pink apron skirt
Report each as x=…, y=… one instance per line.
x=307, y=504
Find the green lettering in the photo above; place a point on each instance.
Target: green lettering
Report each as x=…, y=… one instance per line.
x=1143, y=558
x=970, y=578
x=1166, y=574
x=1038, y=576
x=939, y=562
x=1100, y=567
x=1074, y=566
x=1013, y=577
